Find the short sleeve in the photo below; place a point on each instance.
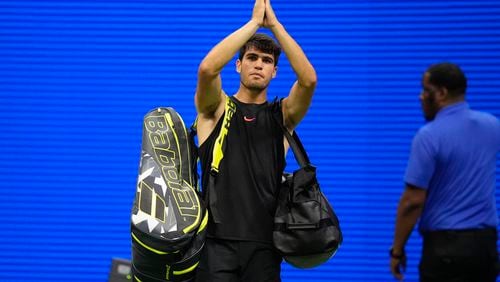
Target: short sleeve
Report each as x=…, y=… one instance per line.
x=497, y=133
x=422, y=161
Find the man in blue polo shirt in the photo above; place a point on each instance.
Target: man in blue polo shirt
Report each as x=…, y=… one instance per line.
x=450, y=185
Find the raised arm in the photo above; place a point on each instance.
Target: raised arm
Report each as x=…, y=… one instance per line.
x=209, y=91
x=297, y=103
x=210, y=98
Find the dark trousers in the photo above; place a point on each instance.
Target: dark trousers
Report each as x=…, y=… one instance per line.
x=235, y=261
x=460, y=256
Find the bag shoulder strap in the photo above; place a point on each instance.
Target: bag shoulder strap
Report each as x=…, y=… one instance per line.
x=299, y=152
x=220, y=144
x=217, y=155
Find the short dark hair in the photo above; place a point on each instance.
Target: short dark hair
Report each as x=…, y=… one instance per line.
x=449, y=76
x=263, y=43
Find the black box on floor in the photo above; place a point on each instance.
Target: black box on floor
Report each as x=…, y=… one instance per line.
x=121, y=270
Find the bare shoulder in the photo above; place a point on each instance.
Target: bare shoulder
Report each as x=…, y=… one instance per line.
x=207, y=121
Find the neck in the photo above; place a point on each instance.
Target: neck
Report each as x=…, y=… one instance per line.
x=249, y=96
x=452, y=100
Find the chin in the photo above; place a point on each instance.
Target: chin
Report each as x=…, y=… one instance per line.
x=429, y=117
x=256, y=86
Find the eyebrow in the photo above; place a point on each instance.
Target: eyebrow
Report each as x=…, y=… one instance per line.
x=264, y=55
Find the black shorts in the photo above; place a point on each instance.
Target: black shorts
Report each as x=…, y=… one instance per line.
x=235, y=261
x=460, y=256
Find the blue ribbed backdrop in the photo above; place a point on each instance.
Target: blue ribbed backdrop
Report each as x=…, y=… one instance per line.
x=76, y=78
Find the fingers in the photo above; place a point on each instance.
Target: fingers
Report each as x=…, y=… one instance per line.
x=396, y=267
x=270, y=19
x=269, y=8
x=259, y=10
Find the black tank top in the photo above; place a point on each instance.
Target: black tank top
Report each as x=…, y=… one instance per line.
x=249, y=174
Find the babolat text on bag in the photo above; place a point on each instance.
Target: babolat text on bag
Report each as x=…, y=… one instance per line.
x=169, y=218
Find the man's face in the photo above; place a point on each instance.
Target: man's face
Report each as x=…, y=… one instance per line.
x=428, y=98
x=256, y=69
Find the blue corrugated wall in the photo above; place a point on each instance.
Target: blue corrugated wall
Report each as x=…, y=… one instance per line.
x=76, y=78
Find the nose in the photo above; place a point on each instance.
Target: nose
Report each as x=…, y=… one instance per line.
x=258, y=64
x=421, y=97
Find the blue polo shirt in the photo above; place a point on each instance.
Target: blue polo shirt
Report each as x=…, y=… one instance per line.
x=453, y=157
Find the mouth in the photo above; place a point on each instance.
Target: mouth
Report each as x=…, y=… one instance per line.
x=257, y=74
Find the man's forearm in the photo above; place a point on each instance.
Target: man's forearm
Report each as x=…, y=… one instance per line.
x=406, y=219
x=224, y=51
x=306, y=75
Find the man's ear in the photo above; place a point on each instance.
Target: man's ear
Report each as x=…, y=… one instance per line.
x=274, y=72
x=238, y=66
x=443, y=93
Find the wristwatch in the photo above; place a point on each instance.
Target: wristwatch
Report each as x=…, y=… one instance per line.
x=391, y=253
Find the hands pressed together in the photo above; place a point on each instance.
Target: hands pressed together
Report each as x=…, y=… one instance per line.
x=263, y=14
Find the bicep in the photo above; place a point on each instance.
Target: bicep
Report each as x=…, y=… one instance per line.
x=208, y=93
x=206, y=122
x=297, y=103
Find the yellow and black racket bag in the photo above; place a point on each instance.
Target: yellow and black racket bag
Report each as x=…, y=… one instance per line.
x=168, y=219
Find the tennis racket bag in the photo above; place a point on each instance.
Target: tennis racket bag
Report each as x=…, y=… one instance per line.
x=168, y=218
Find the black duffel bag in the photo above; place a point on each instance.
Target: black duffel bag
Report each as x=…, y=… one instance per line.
x=306, y=229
